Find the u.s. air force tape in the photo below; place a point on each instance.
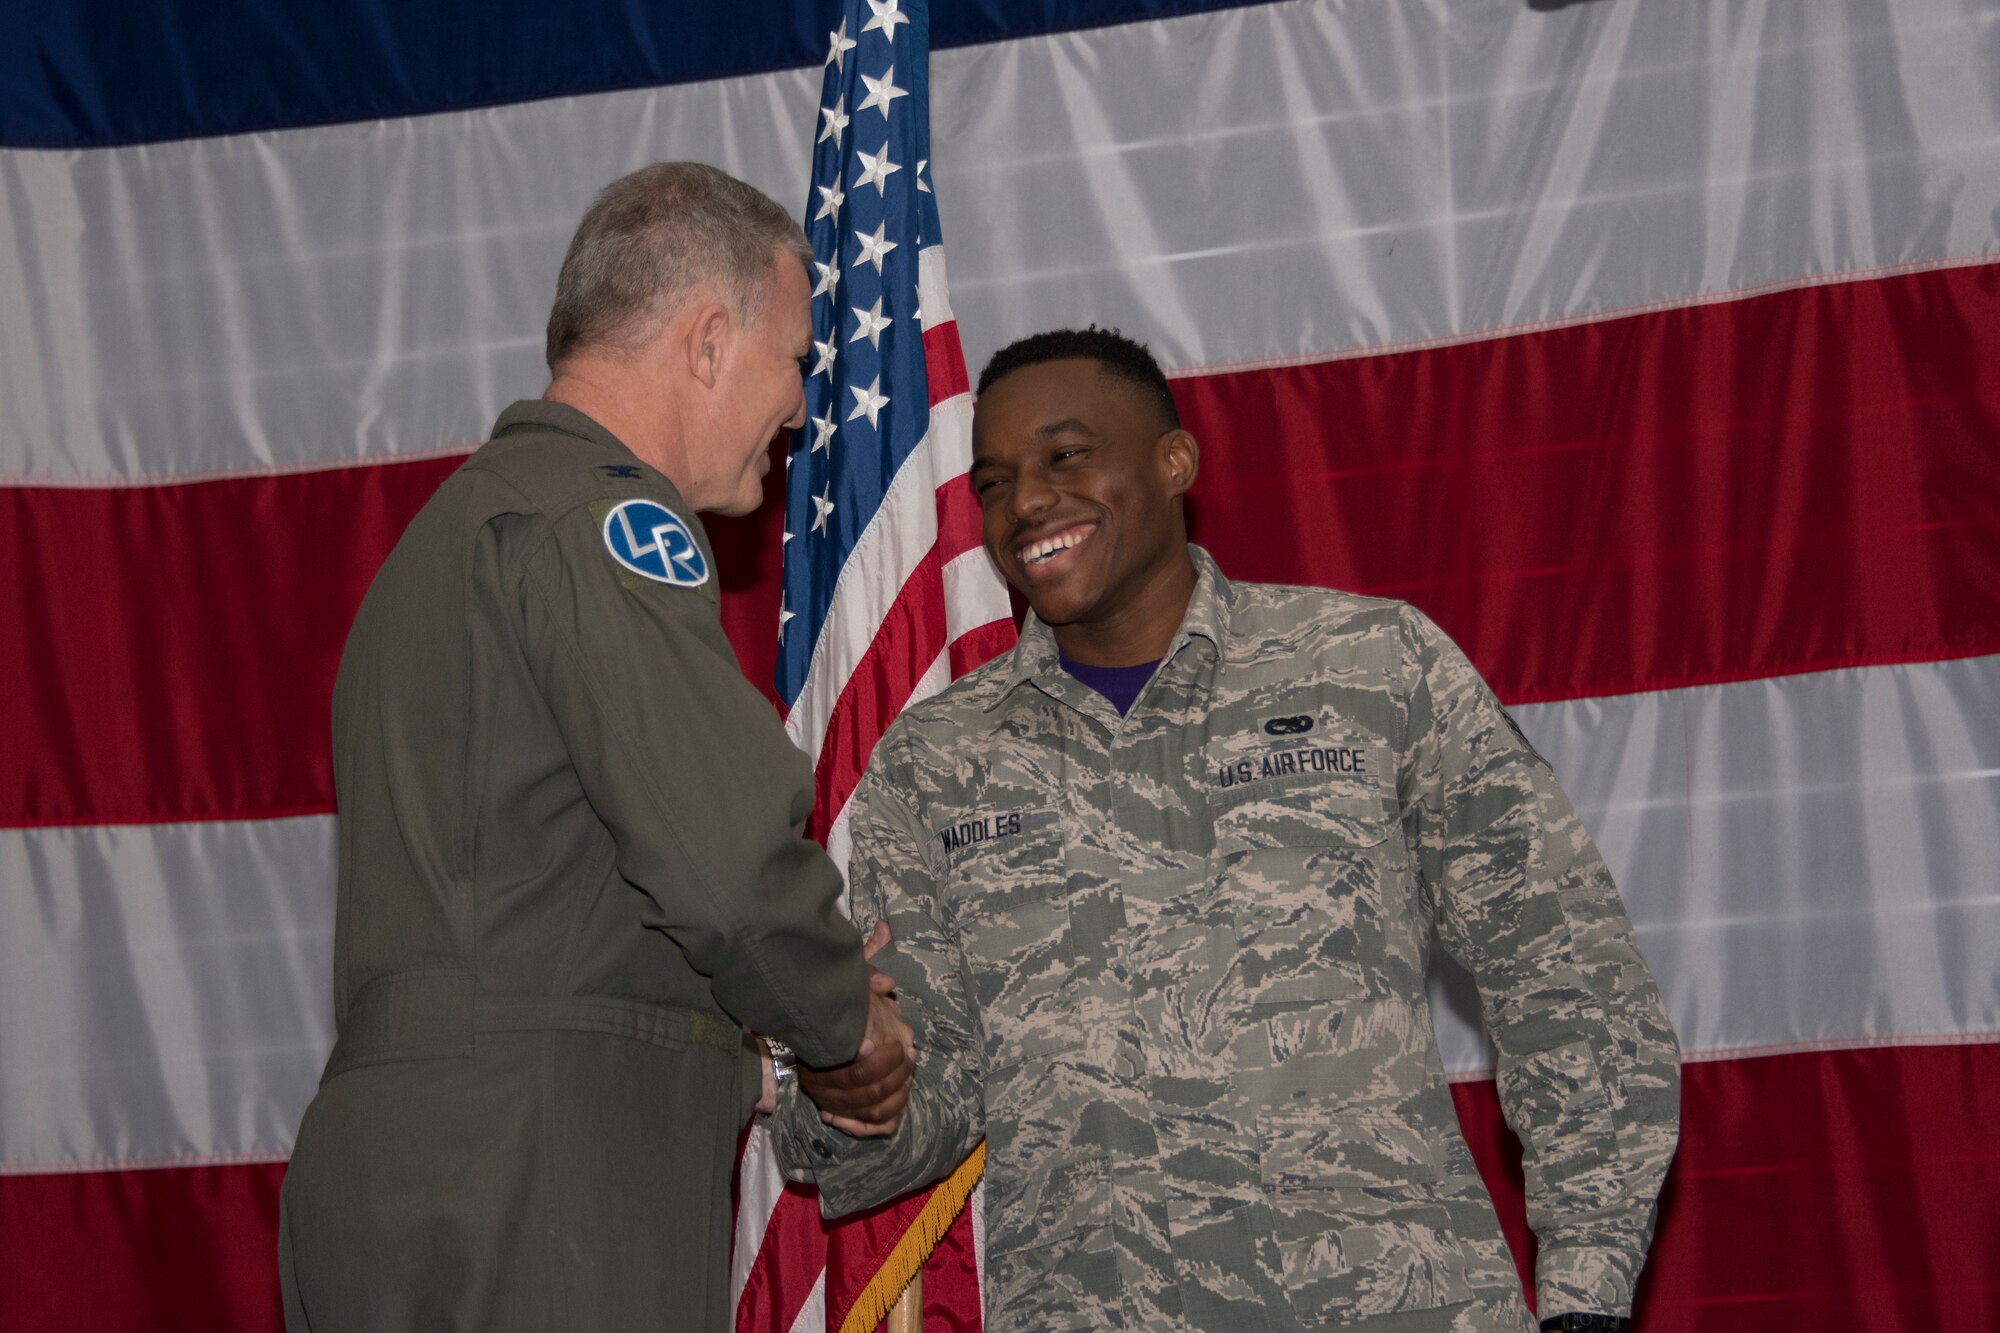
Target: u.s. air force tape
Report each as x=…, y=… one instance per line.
x=650, y=540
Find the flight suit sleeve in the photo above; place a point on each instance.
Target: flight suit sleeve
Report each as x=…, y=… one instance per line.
x=1589, y=1073
x=890, y=879
x=701, y=790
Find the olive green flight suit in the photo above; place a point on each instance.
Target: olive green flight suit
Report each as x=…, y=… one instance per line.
x=569, y=878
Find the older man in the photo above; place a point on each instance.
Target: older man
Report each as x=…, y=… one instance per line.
x=1164, y=882
x=569, y=872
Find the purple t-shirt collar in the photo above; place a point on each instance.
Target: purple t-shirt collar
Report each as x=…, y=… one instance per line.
x=1121, y=685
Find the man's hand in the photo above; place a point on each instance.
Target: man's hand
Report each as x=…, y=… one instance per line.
x=866, y=1097
x=767, y=1095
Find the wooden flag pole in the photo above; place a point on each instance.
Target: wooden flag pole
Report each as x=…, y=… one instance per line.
x=907, y=1315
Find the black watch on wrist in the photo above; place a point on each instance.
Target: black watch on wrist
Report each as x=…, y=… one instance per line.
x=1585, y=1323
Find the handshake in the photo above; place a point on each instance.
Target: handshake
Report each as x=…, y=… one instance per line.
x=866, y=1096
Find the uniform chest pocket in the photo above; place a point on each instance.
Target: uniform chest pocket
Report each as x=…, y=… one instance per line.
x=1301, y=859
x=1306, y=792
x=1010, y=907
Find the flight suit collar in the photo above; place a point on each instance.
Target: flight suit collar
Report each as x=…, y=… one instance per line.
x=1035, y=659
x=541, y=414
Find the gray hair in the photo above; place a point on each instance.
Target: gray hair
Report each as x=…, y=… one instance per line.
x=651, y=239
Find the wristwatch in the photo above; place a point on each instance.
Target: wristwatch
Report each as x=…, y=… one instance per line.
x=1585, y=1323
x=784, y=1064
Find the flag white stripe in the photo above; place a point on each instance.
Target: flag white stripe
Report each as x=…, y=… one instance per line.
x=242, y=304
x=933, y=288
x=1874, y=918
x=1806, y=859
x=166, y=990
x=760, y=1182
x=329, y=293
x=973, y=593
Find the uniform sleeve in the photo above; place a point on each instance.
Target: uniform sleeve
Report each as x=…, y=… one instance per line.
x=702, y=792
x=890, y=880
x=1589, y=1073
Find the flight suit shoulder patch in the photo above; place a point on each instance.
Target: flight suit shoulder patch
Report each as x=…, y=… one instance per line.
x=649, y=544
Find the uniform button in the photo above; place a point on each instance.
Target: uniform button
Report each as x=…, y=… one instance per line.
x=820, y=1150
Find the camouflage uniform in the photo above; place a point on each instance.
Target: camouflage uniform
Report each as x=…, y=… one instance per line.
x=1172, y=965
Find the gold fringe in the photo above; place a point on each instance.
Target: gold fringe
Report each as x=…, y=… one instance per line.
x=905, y=1261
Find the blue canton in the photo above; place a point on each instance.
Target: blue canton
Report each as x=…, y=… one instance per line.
x=869, y=213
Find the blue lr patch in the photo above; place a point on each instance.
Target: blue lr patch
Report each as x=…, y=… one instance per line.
x=651, y=540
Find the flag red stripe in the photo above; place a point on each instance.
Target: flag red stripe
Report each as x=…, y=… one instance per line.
x=1762, y=487
x=958, y=517
x=951, y=1281
x=174, y=646
x=944, y=362
x=980, y=645
x=787, y=1265
x=187, y=1250
x=1833, y=1189
x=859, y=1246
x=909, y=639
x=171, y=649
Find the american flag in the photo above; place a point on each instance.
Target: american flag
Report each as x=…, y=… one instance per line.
x=1678, y=418
x=887, y=592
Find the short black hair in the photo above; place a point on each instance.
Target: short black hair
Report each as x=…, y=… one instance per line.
x=1119, y=355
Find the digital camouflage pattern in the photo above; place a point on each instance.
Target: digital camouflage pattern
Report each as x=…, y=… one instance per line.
x=1172, y=965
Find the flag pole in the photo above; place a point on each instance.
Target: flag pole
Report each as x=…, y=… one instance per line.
x=907, y=1315
x=887, y=397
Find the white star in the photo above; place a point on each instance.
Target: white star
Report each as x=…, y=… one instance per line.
x=822, y=433
x=831, y=197
x=839, y=44
x=877, y=168
x=873, y=248
x=783, y=614
x=829, y=278
x=887, y=16
x=788, y=537
x=828, y=351
x=835, y=121
x=868, y=402
x=919, y=316
x=922, y=162
x=823, y=505
x=869, y=324
x=881, y=92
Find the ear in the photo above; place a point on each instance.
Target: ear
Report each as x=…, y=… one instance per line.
x=706, y=342
x=1180, y=460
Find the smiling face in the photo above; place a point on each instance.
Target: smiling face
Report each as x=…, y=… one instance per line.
x=1079, y=478
x=758, y=392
